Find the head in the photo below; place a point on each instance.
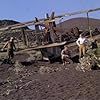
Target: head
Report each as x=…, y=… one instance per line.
x=65, y=47
x=81, y=35
x=11, y=39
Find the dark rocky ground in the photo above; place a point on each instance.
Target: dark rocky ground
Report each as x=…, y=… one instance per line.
x=31, y=82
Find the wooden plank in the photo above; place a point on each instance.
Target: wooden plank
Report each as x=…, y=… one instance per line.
x=63, y=43
x=50, y=45
x=56, y=45
x=43, y=46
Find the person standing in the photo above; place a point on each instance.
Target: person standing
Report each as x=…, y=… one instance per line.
x=10, y=48
x=82, y=42
x=94, y=44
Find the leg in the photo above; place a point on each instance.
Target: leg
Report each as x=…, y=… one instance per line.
x=84, y=50
x=8, y=54
x=12, y=54
x=80, y=51
x=68, y=60
x=63, y=60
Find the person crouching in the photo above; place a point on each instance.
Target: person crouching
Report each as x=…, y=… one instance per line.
x=65, y=56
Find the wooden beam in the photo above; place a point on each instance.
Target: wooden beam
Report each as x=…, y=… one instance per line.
x=89, y=28
x=24, y=37
x=37, y=30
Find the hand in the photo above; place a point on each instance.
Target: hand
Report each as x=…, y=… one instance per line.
x=2, y=49
x=66, y=56
x=15, y=49
x=78, y=45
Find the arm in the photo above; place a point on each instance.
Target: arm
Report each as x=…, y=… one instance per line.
x=5, y=45
x=63, y=54
x=14, y=45
x=87, y=42
x=78, y=42
x=69, y=53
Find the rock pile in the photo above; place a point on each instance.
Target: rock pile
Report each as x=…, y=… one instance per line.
x=90, y=61
x=18, y=67
x=34, y=55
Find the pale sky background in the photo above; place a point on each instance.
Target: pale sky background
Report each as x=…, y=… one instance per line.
x=26, y=10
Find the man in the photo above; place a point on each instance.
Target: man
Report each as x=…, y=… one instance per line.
x=47, y=38
x=10, y=48
x=94, y=44
x=65, y=55
x=82, y=43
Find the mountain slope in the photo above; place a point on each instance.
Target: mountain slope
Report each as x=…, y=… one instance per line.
x=81, y=23
x=4, y=23
x=4, y=35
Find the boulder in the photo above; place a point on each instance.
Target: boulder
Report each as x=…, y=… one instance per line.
x=35, y=55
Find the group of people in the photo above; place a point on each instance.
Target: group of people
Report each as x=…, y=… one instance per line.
x=82, y=43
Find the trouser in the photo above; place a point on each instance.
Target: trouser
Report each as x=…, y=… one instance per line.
x=82, y=50
x=67, y=60
x=10, y=54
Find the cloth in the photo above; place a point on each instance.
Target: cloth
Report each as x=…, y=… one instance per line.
x=11, y=45
x=65, y=56
x=82, y=41
x=82, y=50
x=10, y=53
x=94, y=45
x=67, y=60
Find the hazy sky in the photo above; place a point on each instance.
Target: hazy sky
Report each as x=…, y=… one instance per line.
x=26, y=10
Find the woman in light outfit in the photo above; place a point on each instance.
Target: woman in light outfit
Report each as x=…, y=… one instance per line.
x=82, y=42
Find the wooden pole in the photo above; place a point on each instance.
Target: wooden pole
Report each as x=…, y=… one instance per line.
x=24, y=37
x=52, y=25
x=37, y=30
x=89, y=28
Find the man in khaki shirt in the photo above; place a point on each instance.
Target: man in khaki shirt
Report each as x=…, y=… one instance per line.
x=10, y=48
